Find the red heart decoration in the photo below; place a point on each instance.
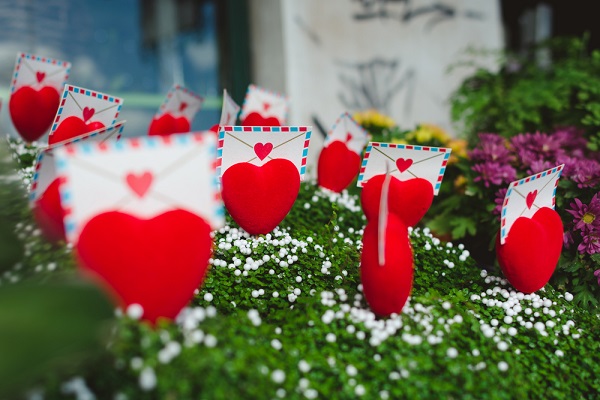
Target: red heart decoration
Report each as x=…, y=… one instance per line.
x=259, y=198
x=337, y=166
x=409, y=199
x=530, y=198
x=403, y=164
x=156, y=263
x=348, y=137
x=215, y=128
x=32, y=112
x=531, y=251
x=387, y=287
x=262, y=150
x=167, y=124
x=40, y=76
x=139, y=183
x=255, y=119
x=49, y=214
x=88, y=113
x=72, y=127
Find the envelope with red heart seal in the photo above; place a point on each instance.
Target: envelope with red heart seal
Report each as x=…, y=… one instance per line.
x=261, y=168
x=229, y=112
x=83, y=111
x=264, y=108
x=44, y=196
x=407, y=161
x=177, y=112
x=140, y=213
x=339, y=161
x=526, y=196
x=35, y=93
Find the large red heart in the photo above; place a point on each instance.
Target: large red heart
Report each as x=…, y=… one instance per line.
x=531, y=251
x=32, y=111
x=167, y=124
x=255, y=119
x=409, y=199
x=49, y=214
x=156, y=263
x=386, y=287
x=259, y=198
x=72, y=127
x=337, y=166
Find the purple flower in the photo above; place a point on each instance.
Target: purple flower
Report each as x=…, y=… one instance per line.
x=536, y=147
x=494, y=173
x=499, y=200
x=570, y=138
x=539, y=166
x=597, y=275
x=491, y=147
x=590, y=244
x=568, y=239
x=586, y=217
x=586, y=174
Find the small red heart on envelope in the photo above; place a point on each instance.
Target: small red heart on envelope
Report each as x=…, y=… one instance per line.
x=255, y=119
x=531, y=251
x=72, y=127
x=49, y=214
x=40, y=76
x=262, y=150
x=259, y=198
x=139, y=183
x=530, y=199
x=409, y=199
x=88, y=113
x=386, y=287
x=167, y=124
x=337, y=166
x=182, y=106
x=403, y=164
x=32, y=111
x=156, y=263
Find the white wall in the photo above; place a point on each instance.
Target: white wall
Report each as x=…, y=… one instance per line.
x=350, y=55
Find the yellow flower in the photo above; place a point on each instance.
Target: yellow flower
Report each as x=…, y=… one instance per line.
x=374, y=118
x=399, y=141
x=438, y=133
x=460, y=182
x=459, y=150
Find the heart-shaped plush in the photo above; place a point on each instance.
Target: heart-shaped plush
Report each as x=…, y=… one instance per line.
x=259, y=198
x=33, y=111
x=72, y=127
x=531, y=251
x=49, y=214
x=386, y=287
x=167, y=124
x=255, y=119
x=156, y=263
x=409, y=199
x=337, y=166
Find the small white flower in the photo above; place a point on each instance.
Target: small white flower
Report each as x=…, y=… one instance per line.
x=452, y=352
x=147, y=379
x=208, y=297
x=278, y=376
x=503, y=366
x=135, y=311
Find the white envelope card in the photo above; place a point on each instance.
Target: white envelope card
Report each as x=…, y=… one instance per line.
x=144, y=177
x=45, y=170
x=38, y=72
x=181, y=102
x=348, y=131
x=265, y=103
x=406, y=161
x=93, y=109
x=229, y=111
x=258, y=145
x=525, y=196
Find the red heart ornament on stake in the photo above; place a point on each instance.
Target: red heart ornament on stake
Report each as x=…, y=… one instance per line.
x=262, y=150
x=72, y=127
x=255, y=119
x=139, y=184
x=337, y=166
x=409, y=199
x=403, y=164
x=387, y=287
x=167, y=124
x=531, y=251
x=48, y=213
x=39, y=75
x=531, y=198
x=32, y=112
x=259, y=198
x=156, y=263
